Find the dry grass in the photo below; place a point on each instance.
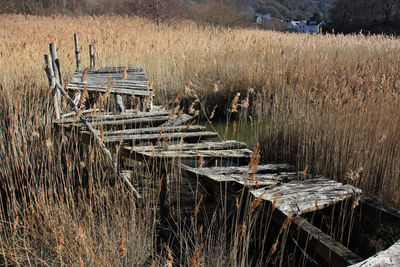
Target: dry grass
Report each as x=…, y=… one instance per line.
x=327, y=102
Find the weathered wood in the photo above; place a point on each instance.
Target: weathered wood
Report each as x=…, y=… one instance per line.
x=205, y=154
x=161, y=137
x=54, y=57
x=67, y=116
x=116, y=69
x=388, y=257
x=103, y=77
x=77, y=53
x=245, y=179
x=265, y=168
x=223, y=145
x=154, y=130
x=108, y=116
x=115, y=86
x=178, y=120
x=329, y=249
x=52, y=83
x=156, y=120
x=299, y=197
x=90, y=80
x=112, y=91
x=92, y=57
x=57, y=75
x=119, y=104
x=101, y=144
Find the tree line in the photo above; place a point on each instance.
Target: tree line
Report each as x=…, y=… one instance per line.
x=375, y=16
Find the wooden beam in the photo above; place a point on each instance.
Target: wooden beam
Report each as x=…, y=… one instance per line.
x=155, y=130
x=107, y=116
x=223, y=145
x=155, y=137
x=124, y=91
x=329, y=249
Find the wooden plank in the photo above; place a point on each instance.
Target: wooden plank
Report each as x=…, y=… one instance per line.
x=138, y=68
x=154, y=130
x=265, y=168
x=67, y=116
x=113, y=91
x=224, y=145
x=117, y=84
x=388, y=257
x=178, y=120
x=329, y=249
x=108, y=116
x=299, y=197
x=111, y=123
x=262, y=179
x=164, y=136
x=78, y=81
x=114, y=76
x=206, y=154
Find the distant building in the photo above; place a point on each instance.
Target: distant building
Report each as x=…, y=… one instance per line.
x=292, y=25
x=258, y=19
x=309, y=26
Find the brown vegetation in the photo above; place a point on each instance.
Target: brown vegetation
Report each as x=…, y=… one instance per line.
x=327, y=102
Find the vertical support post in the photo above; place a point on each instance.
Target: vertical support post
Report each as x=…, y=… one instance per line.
x=52, y=83
x=92, y=58
x=77, y=53
x=119, y=104
x=57, y=76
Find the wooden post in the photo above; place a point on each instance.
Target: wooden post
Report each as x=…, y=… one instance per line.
x=55, y=67
x=54, y=58
x=92, y=58
x=119, y=104
x=77, y=53
x=52, y=83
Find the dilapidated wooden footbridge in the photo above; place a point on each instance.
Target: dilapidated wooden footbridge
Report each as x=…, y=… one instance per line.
x=146, y=132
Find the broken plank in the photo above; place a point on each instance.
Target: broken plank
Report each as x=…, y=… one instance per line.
x=135, y=121
x=153, y=130
x=206, y=154
x=113, y=91
x=178, y=120
x=244, y=179
x=162, y=137
x=265, y=168
x=115, y=69
x=108, y=116
x=299, y=197
x=223, y=145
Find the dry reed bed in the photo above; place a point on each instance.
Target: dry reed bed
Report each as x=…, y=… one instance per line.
x=331, y=102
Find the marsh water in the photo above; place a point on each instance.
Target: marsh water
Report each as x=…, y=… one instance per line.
x=246, y=131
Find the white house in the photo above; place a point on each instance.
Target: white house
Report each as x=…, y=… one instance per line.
x=310, y=26
x=292, y=25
